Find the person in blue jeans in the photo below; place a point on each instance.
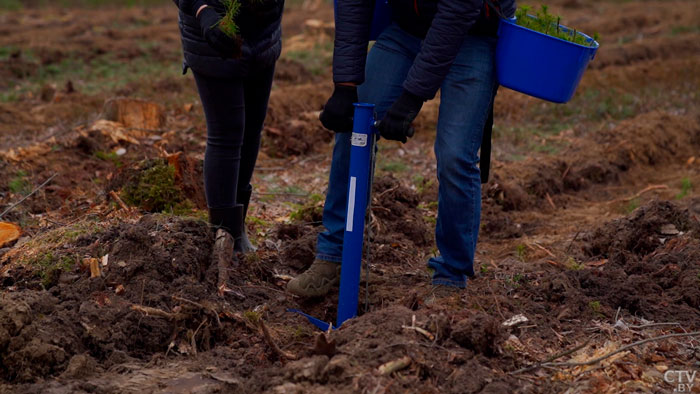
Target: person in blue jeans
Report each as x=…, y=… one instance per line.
x=431, y=44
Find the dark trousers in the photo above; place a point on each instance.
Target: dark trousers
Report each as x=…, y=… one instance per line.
x=235, y=109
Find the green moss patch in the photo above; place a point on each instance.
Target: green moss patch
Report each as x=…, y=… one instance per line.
x=152, y=187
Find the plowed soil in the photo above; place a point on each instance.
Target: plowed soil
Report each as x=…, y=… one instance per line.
x=590, y=236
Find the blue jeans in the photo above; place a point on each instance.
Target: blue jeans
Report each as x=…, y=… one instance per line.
x=465, y=100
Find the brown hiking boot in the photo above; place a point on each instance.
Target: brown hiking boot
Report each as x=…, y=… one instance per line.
x=317, y=280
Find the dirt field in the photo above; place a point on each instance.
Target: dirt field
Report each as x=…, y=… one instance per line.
x=591, y=222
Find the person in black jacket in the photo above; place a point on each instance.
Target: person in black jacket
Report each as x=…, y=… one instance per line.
x=234, y=78
x=430, y=45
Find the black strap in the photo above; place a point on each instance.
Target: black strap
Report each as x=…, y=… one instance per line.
x=485, y=157
x=485, y=154
x=495, y=8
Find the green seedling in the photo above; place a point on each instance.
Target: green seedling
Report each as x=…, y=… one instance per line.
x=574, y=265
x=393, y=166
x=549, y=24
x=595, y=306
x=521, y=250
x=252, y=316
x=484, y=269
x=676, y=30
x=300, y=333
x=514, y=281
x=227, y=24
x=632, y=205
x=686, y=188
x=109, y=156
x=256, y=221
x=310, y=211
x=19, y=184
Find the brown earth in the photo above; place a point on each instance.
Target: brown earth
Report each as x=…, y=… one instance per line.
x=590, y=224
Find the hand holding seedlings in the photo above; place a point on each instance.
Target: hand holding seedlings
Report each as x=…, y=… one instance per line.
x=221, y=31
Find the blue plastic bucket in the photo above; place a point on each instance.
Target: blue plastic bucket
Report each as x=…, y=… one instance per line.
x=381, y=18
x=539, y=65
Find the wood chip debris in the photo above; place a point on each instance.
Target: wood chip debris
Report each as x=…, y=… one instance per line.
x=283, y=277
x=94, y=265
x=669, y=229
x=393, y=366
x=148, y=311
x=515, y=320
x=419, y=330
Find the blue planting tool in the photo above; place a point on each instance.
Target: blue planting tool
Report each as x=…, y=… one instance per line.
x=359, y=188
x=358, y=195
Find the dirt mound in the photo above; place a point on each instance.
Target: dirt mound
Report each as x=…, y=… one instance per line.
x=645, y=230
x=292, y=126
x=398, y=219
x=650, y=139
x=650, y=269
x=300, y=136
x=480, y=333
x=380, y=337
x=397, y=223
x=147, y=263
x=298, y=245
x=288, y=102
x=659, y=48
x=291, y=72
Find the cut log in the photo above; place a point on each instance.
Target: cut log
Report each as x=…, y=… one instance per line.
x=188, y=176
x=393, y=366
x=9, y=232
x=140, y=114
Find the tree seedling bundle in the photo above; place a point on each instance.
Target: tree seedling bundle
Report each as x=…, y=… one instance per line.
x=549, y=24
x=227, y=24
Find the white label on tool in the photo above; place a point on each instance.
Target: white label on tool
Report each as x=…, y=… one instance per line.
x=351, y=204
x=359, y=139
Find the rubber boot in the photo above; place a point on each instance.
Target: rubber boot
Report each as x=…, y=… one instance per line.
x=223, y=254
x=224, y=218
x=242, y=243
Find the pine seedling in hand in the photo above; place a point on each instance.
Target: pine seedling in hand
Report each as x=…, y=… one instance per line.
x=227, y=24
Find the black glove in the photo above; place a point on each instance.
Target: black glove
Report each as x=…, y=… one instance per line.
x=189, y=7
x=226, y=46
x=396, y=124
x=338, y=111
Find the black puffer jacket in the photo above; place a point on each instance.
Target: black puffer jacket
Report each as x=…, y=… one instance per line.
x=262, y=41
x=442, y=24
